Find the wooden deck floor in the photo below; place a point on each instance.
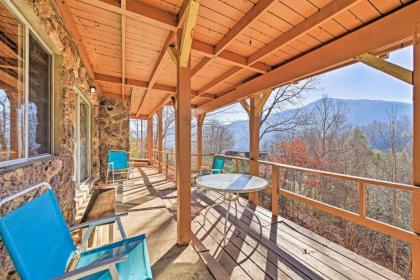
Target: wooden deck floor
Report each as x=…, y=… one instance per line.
x=284, y=251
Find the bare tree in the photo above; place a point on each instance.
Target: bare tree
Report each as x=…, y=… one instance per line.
x=282, y=98
x=216, y=137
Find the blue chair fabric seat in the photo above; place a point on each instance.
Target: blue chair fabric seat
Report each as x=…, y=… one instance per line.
x=41, y=247
x=118, y=164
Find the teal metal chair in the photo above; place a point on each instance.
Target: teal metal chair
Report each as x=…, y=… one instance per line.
x=41, y=247
x=216, y=167
x=118, y=164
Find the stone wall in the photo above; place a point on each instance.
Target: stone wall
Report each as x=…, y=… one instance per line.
x=114, y=127
x=69, y=72
x=56, y=171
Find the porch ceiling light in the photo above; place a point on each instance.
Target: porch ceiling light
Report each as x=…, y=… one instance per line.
x=92, y=90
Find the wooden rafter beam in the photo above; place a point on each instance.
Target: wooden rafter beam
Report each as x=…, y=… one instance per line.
x=64, y=10
x=316, y=19
x=158, y=66
x=172, y=53
x=245, y=105
x=233, y=33
x=229, y=57
x=200, y=65
x=112, y=95
x=219, y=80
x=123, y=39
x=140, y=10
x=144, y=85
x=187, y=36
x=393, y=29
x=244, y=22
x=387, y=67
x=228, y=73
x=133, y=82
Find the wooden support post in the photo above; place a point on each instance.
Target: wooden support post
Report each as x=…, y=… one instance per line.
x=362, y=199
x=200, y=121
x=166, y=166
x=160, y=139
x=275, y=191
x=254, y=143
x=150, y=139
x=183, y=149
x=141, y=139
x=237, y=166
x=415, y=248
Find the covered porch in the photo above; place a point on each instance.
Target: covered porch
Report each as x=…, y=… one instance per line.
x=108, y=61
x=285, y=250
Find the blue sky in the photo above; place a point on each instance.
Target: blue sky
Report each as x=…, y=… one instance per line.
x=356, y=81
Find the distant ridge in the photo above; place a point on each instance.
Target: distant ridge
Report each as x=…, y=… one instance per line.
x=360, y=112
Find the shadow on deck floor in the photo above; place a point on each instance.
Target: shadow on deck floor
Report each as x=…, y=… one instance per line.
x=148, y=214
x=284, y=251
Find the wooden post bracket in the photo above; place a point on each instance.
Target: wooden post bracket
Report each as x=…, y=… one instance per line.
x=187, y=38
x=387, y=67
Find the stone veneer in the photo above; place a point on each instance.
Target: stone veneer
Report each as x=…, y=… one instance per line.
x=114, y=129
x=58, y=170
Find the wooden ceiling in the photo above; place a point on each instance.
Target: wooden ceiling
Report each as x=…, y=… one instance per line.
x=237, y=44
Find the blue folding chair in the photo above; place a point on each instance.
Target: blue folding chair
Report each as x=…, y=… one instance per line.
x=216, y=167
x=41, y=247
x=118, y=164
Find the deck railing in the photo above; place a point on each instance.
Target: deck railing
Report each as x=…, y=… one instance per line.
x=360, y=217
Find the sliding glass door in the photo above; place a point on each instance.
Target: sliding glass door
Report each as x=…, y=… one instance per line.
x=83, y=140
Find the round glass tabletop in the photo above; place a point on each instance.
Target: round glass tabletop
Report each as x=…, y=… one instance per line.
x=234, y=183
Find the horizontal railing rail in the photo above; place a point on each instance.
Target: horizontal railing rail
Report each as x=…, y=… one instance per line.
x=359, y=218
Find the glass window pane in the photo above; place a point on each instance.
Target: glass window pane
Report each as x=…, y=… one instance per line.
x=84, y=141
x=39, y=99
x=12, y=137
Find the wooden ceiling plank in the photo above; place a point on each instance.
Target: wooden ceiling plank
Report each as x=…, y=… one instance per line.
x=64, y=10
x=158, y=66
x=244, y=22
x=123, y=46
x=219, y=80
x=316, y=19
x=200, y=66
x=229, y=57
x=399, y=27
x=141, y=11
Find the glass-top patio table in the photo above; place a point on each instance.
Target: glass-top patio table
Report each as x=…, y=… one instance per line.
x=231, y=185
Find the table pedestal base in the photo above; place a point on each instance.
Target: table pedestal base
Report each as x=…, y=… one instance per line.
x=229, y=198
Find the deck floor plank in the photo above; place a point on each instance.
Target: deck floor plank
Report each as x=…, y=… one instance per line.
x=284, y=251
x=328, y=258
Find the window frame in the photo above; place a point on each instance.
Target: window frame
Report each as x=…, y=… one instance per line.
x=28, y=29
x=77, y=162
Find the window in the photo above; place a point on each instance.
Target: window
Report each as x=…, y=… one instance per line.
x=25, y=90
x=39, y=135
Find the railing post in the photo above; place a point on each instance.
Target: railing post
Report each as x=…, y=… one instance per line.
x=238, y=166
x=415, y=247
x=275, y=191
x=166, y=165
x=362, y=199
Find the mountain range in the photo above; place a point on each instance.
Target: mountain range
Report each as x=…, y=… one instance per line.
x=359, y=112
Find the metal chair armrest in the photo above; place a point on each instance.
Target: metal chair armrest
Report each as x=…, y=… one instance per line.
x=216, y=169
x=107, y=264
x=92, y=224
x=98, y=222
